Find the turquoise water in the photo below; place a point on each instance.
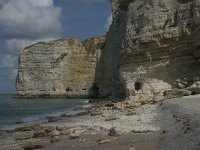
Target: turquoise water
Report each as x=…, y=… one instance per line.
x=30, y=110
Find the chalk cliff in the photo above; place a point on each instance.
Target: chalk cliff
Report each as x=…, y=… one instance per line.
x=150, y=45
x=61, y=68
x=161, y=45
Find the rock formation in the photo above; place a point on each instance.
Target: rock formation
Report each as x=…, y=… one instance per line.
x=161, y=45
x=107, y=78
x=62, y=68
x=150, y=44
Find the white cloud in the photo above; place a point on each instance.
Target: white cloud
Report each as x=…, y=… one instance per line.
x=80, y=5
x=8, y=61
x=13, y=73
x=42, y=2
x=109, y=22
x=30, y=19
x=15, y=45
x=24, y=22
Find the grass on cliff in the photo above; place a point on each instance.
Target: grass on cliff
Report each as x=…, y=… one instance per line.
x=123, y=4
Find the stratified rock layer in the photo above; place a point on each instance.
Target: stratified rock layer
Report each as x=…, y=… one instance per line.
x=161, y=45
x=152, y=46
x=63, y=68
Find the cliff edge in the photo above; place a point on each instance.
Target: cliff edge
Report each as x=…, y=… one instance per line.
x=61, y=68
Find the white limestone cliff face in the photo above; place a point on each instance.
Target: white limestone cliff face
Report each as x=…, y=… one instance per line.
x=150, y=44
x=161, y=45
x=63, y=68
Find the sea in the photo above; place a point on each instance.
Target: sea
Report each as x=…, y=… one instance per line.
x=17, y=112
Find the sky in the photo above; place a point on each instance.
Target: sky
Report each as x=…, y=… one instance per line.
x=24, y=22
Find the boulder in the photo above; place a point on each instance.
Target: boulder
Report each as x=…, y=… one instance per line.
x=23, y=136
x=39, y=133
x=111, y=118
x=130, y=105
x=104, y=139
x=96, y=112
x=54, y=133
x=36, y=144
x=119, y=106
x=27, y=128
x=48, y=129
x=130, y=113
x=74, y=136
x=176, y=93
x=55, y=139
x=93, y=129
x=109, y=105
x=60, y=128
x=195, y=88
x=65, y=132
x=180, y=86
x=114, y=131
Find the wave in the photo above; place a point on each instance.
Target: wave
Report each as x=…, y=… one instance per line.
x=40, y=119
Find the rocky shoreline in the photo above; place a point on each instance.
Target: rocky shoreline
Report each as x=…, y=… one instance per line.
x=150, y=53
x=107, y=124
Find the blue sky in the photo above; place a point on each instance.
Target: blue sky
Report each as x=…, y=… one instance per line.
x=24, y=22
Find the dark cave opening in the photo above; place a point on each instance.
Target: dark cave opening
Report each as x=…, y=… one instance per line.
x=138, y=86
x=94, y=91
